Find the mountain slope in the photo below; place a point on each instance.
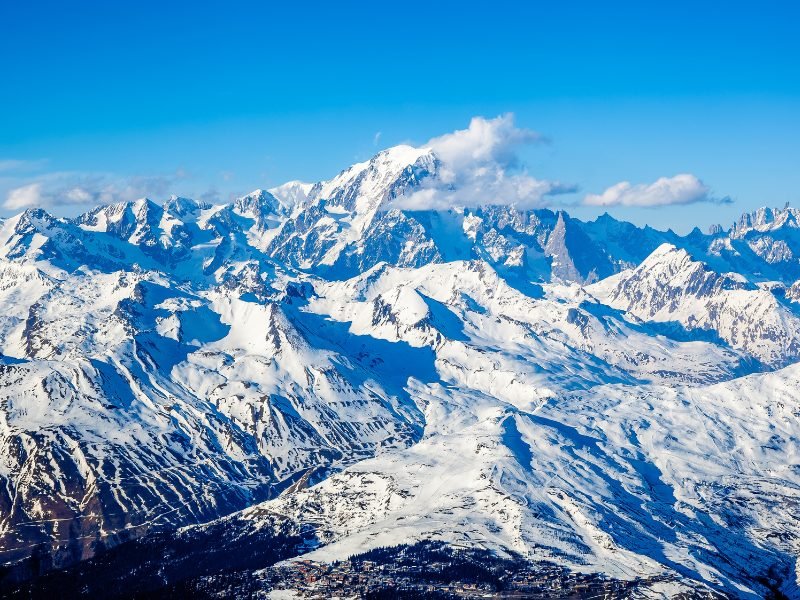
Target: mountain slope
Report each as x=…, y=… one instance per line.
x=129, y=403
x=595, y=481
x=670, y=287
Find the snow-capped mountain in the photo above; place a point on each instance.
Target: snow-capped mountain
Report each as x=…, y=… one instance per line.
x=318, y=359
x=671, y=288
x=292, y=194
x=650, y=480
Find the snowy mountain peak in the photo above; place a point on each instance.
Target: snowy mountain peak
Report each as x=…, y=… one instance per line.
x=667, y=253
x=364, y=186
x=671, y=287
x=292, y=193
x=258, y=204
x=673, y=266
x=184, y=208
x=402, y=155
x=766, y=219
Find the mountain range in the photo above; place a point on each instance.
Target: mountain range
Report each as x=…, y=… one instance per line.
x=318, y=361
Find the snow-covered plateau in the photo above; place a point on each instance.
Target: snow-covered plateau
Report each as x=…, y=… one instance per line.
x=316, y=358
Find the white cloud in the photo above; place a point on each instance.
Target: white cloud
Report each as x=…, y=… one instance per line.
x=13, y=164
x=494, y=187
x=484, y=142
x=665, y=191
x=70, y=189
x=24, y=197
x=480, y=166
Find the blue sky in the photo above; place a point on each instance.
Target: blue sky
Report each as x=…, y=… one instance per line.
x=213, y=99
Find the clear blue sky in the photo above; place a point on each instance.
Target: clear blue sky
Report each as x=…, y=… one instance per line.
x=230, y=96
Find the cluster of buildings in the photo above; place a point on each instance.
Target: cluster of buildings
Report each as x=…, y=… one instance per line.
x=369, y=579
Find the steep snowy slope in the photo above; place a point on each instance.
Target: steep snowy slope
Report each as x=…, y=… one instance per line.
x=478, y=324
x=670, y=287
x=336, y=213
x=292, y=194
x=129, y=402
x=629, y=481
